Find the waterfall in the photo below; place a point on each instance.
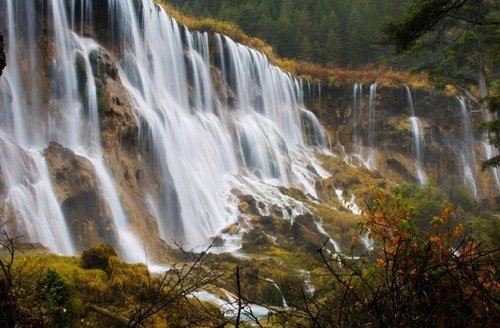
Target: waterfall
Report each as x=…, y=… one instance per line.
x=31, y=207
x=317, y=135
x=206, y=133
x=200, y=139
x=30, y=203
x=490, y=151
x=356, y=116
x=418, y=139
x=370, y=158
x=71, y=120
x=467, y=155
x=283, y=300
x=409, y=98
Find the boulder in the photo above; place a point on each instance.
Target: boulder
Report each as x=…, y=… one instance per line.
x=97, y=257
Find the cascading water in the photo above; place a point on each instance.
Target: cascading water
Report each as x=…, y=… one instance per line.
x=467, y=154
x=31, y=206
x=71, y=119
x=200, y=147
x=490, y=151
x=316, y=135
x=196, y=147
x=370, y=157
x=356, y=117
x=418, y=139
x=201, y=143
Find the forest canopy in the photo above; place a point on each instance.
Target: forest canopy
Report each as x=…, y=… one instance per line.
x=341, y=33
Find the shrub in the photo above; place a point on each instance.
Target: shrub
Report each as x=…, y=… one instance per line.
x=53, y=292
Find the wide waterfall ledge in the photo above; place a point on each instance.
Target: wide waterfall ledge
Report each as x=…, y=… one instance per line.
x=204, y=119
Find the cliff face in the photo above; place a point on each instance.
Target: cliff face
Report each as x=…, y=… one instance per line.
x=86, y=212
x=450, y=140
x=144, y=134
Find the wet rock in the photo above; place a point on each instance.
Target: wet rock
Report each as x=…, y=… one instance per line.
x=294, y=193
x=400, y=169
x=256, y=240
x=233, y=229
x=102, y=65
x=243, y=207
x=251, y=206
x=306, y=236
x=77, y=189
x=123, y=154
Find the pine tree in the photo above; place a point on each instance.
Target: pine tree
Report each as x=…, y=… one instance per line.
x=332, y=48
x=306, y=50
x=355, y=43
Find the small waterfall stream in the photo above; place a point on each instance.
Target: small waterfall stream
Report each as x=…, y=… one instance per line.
x=356, y=117
x=418, y=139
x=370, y=161
x=490, y=151
x=467, y=154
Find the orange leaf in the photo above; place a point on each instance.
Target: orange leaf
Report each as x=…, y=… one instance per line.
x=435, y=239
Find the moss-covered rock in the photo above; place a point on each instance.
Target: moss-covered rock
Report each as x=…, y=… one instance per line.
x=98, y=257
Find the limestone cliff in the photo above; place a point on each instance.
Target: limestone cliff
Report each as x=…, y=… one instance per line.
x=87, y=215
x=120, y=142
x=442, y=124
x=195, y=135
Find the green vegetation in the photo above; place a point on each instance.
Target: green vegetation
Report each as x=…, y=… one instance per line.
x=46, y=290
x=340, y=32
x=425, y=260
x=327, y=74
x=457, y=42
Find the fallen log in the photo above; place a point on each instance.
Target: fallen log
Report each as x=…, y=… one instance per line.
x=106, y=313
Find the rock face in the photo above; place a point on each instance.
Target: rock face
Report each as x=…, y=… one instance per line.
x=122, y=151
x=74, y=180
x=441, y=121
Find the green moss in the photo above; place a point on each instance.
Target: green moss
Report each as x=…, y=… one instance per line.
x=98, y=257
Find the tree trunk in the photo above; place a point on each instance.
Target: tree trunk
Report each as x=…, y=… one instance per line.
x=118, y=318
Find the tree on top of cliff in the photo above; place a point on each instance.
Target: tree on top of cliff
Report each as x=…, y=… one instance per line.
x=337, y=32
x=456, y=42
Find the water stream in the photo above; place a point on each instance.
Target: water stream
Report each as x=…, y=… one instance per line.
x=418, y=139
x=370, y=157
x=467, y=154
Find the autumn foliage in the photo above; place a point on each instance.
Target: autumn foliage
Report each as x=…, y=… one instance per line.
x=411, y=277
x=432, y=277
